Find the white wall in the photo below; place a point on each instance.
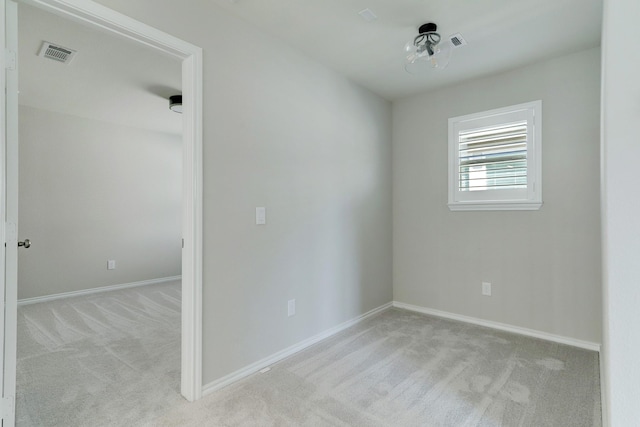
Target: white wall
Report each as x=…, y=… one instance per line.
x=284, y=132
x=621, y=212
x=92, y=191
x=544, y=265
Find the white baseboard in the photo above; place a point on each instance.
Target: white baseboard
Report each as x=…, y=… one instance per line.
x=44, y=298
x=587, y=345
x=276, y=357
x=604, y=381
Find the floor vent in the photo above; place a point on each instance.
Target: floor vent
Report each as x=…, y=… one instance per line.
x=56, y=52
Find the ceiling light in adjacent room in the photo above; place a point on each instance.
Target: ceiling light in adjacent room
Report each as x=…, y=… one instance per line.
x=175, y=103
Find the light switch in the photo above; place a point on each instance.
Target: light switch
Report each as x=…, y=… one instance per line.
x=261, y=216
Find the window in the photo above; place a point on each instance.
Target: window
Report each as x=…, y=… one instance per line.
x=495, y=159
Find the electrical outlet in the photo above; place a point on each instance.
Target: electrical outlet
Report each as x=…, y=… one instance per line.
x=291, y=307
x=486, y=289
x=111, y=264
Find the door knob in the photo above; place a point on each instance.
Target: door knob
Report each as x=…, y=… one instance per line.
x=26, y=243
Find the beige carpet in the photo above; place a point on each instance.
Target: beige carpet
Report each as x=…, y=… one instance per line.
x=114, y=360
x=406, y=369
x=109, y=359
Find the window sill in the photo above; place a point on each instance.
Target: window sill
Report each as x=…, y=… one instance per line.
x=498, y=206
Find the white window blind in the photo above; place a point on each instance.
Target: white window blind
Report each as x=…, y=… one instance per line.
x=494, y=159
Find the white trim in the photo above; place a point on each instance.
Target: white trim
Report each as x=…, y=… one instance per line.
x=192, y=196
x=604, y=402
x=95, y=15
x=587, y=345
x=9, y=209
x=498, y=199
x=276, y=357
x=605, y=389
x=45, y=298
x=486, y=206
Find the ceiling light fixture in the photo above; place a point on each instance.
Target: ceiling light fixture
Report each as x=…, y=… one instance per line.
x=175, y=103
x=427, y=50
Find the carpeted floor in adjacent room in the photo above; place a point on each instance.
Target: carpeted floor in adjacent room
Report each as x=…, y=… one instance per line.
x=108, y=359
x=397, y=368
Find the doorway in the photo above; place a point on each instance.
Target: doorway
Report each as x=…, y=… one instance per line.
x=104, y=19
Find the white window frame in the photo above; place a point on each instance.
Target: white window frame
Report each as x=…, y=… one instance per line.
x=499, y=199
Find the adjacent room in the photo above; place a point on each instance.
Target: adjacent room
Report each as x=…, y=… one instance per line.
x=100, y=206
x=412, y=213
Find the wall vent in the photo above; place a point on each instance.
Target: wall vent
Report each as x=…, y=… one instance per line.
x=56, y=52
x=457, y=40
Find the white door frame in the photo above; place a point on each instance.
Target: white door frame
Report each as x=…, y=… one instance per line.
x=96, y=15
x=9, y=210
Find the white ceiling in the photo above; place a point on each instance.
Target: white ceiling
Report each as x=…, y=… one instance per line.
x=110, y=79
x=116, y=80
x=501, y=34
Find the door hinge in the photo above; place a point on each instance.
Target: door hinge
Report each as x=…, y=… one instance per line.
x=9, y=59
x=182, y=243
x=7, y=407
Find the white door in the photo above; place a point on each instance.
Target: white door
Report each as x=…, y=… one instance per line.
x=9, y=205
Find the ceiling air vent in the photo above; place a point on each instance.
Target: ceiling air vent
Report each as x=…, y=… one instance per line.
x=457, y=40
x=56, y=52
x=368, y=15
